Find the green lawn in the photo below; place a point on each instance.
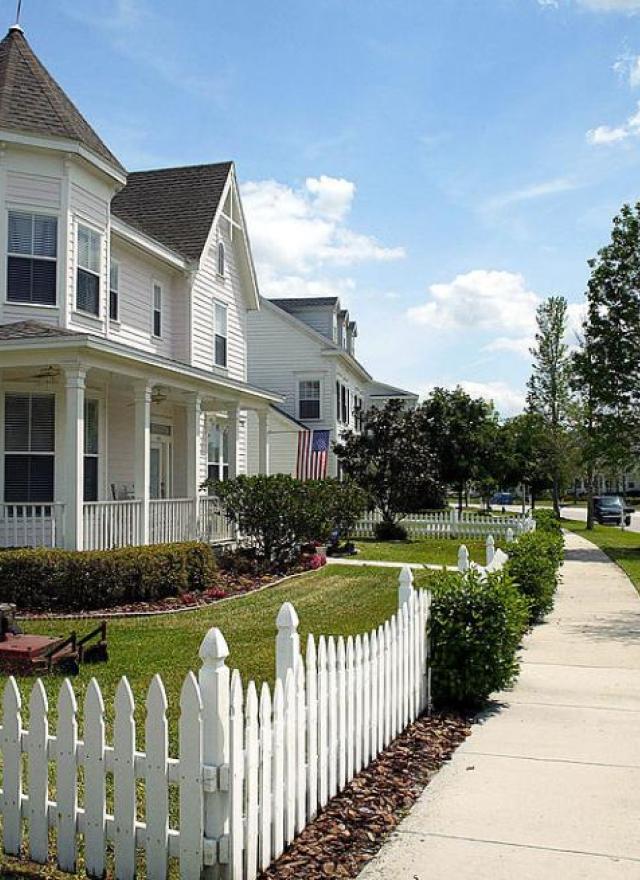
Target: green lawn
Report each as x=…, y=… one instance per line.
x=441, y=551
x=330, y=602
x=622, y=547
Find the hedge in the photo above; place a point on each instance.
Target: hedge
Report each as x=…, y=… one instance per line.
x=547, y=521
x=534, y=563
x=475, y=630
x=67, y=580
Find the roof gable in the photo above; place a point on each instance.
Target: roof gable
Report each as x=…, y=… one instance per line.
x=175, y=206
x=31, y=101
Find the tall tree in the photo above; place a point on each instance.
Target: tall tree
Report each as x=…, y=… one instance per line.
x=549, y=390
x=461, y=431
x=607, y=367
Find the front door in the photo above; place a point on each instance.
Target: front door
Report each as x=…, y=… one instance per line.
x=160, y=467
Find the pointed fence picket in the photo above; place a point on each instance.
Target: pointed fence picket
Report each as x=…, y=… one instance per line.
x=451, y=524
x=250, y=772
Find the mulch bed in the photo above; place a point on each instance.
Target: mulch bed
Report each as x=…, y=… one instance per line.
x=354, y=825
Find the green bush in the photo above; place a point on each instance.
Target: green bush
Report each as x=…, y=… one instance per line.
x=534, y=563
x=547, y=521
x=279, y=513
x=67, y=580
x=389, y=531
x=475, y=629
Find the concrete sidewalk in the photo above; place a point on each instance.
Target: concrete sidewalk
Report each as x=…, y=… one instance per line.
x=548, y=785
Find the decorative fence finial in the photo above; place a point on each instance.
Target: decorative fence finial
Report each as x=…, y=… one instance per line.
x=287, y=641
x=405, y=586
x=490, y=549
x=463, y=558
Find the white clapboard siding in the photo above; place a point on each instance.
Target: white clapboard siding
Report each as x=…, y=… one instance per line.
x=251, y=773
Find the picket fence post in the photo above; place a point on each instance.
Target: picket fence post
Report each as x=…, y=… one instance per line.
x=509, y=535
x=287, y=641
x=454, y=522
x=490, y=549
x=463, y=558
x=405, y=586
x=214, y=682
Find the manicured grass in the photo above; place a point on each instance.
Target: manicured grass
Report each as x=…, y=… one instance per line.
x=441, y=551
x=330, y=602
x=622, y=547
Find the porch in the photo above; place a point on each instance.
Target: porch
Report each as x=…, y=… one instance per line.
x=96, y=458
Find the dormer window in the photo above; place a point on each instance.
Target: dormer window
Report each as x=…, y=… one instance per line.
x=32, y=251
x=88, y=273
x=221, y=258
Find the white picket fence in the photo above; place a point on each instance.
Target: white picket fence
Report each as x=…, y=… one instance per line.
x=450, y=524
x=251, y=770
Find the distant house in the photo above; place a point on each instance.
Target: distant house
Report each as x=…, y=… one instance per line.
x=123, y=351
x=304, y=350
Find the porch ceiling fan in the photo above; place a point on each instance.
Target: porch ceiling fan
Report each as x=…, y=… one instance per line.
x=43, y=374
x=158, y=395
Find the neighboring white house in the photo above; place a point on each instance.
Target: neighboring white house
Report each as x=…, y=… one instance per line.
x=304, y=351
x=123, y=348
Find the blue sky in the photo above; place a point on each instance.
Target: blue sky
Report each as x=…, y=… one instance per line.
x=441, y=165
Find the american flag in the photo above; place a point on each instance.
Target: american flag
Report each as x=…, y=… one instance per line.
x=313, y=452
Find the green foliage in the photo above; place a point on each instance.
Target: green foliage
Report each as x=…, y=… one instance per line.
x=69, y=580
x=390, y=531
x=390, y=460
x=475, y=630
x=534, y=562
x=547, y=521
x=279, y=513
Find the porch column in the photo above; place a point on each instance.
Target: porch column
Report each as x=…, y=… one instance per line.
x=232, y=435
x=142, y=452
x=194, y=453
x=75, y=377
x=263, y=441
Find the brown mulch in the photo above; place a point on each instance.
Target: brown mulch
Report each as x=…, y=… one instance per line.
x=354, y=825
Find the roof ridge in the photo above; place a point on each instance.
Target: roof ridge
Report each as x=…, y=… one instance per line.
x=197, y=165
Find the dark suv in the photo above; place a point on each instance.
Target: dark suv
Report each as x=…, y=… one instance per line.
x=609, y=510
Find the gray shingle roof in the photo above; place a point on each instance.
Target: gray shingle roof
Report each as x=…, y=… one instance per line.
x=380, y=389
x=176, y=206
x=31, y=101
x=293, y=305
x=33, y=330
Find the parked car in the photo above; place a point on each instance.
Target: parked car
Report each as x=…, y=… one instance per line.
x=502, y=498
x=609, y=510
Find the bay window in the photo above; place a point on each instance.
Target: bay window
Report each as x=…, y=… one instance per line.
x=88, y=271
x=32, y=250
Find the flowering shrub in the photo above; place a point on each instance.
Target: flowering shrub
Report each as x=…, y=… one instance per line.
x=315, y=562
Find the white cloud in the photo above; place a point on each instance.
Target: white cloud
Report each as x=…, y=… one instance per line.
x=507, y=400
x=605, y=134
x=533, y=191
x=299, y=234
x=627, y=66
x=481, y=300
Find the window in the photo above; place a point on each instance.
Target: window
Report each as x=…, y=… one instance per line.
x=29, y=442
x=114, y=290
x=344, y=405
x=217, y=453
x=157, y=310
x=309, y=399
x=32, y=250
x=90, y=450
x=220, y=334
x=338, y=408
x=220, y=258
x=88, y=275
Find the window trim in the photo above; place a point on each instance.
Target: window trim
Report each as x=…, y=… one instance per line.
x=101, y=235
x=221, y=465
x=12, y=390
x=157, y=285
x=217, y=303
x=42, y=212
x=299, y=399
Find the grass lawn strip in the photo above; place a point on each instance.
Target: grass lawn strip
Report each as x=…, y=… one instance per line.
x=438, y=551
x=622, y=547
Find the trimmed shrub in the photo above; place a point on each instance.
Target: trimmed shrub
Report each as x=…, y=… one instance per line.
x=534, y=563
x=475, y=629
x=389, y=531
x=547, y=521
x=67, y=580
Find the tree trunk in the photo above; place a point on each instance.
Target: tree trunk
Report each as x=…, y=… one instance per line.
x=556, y=496
x=460, y=496
x=590, y=494
x=532, y=498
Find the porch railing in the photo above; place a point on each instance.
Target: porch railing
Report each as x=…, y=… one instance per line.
x=31, y=525
x=109, y=524
x=172, y=519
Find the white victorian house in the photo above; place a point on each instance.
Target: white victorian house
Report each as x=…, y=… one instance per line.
x=304, y=350
x=124, y=301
